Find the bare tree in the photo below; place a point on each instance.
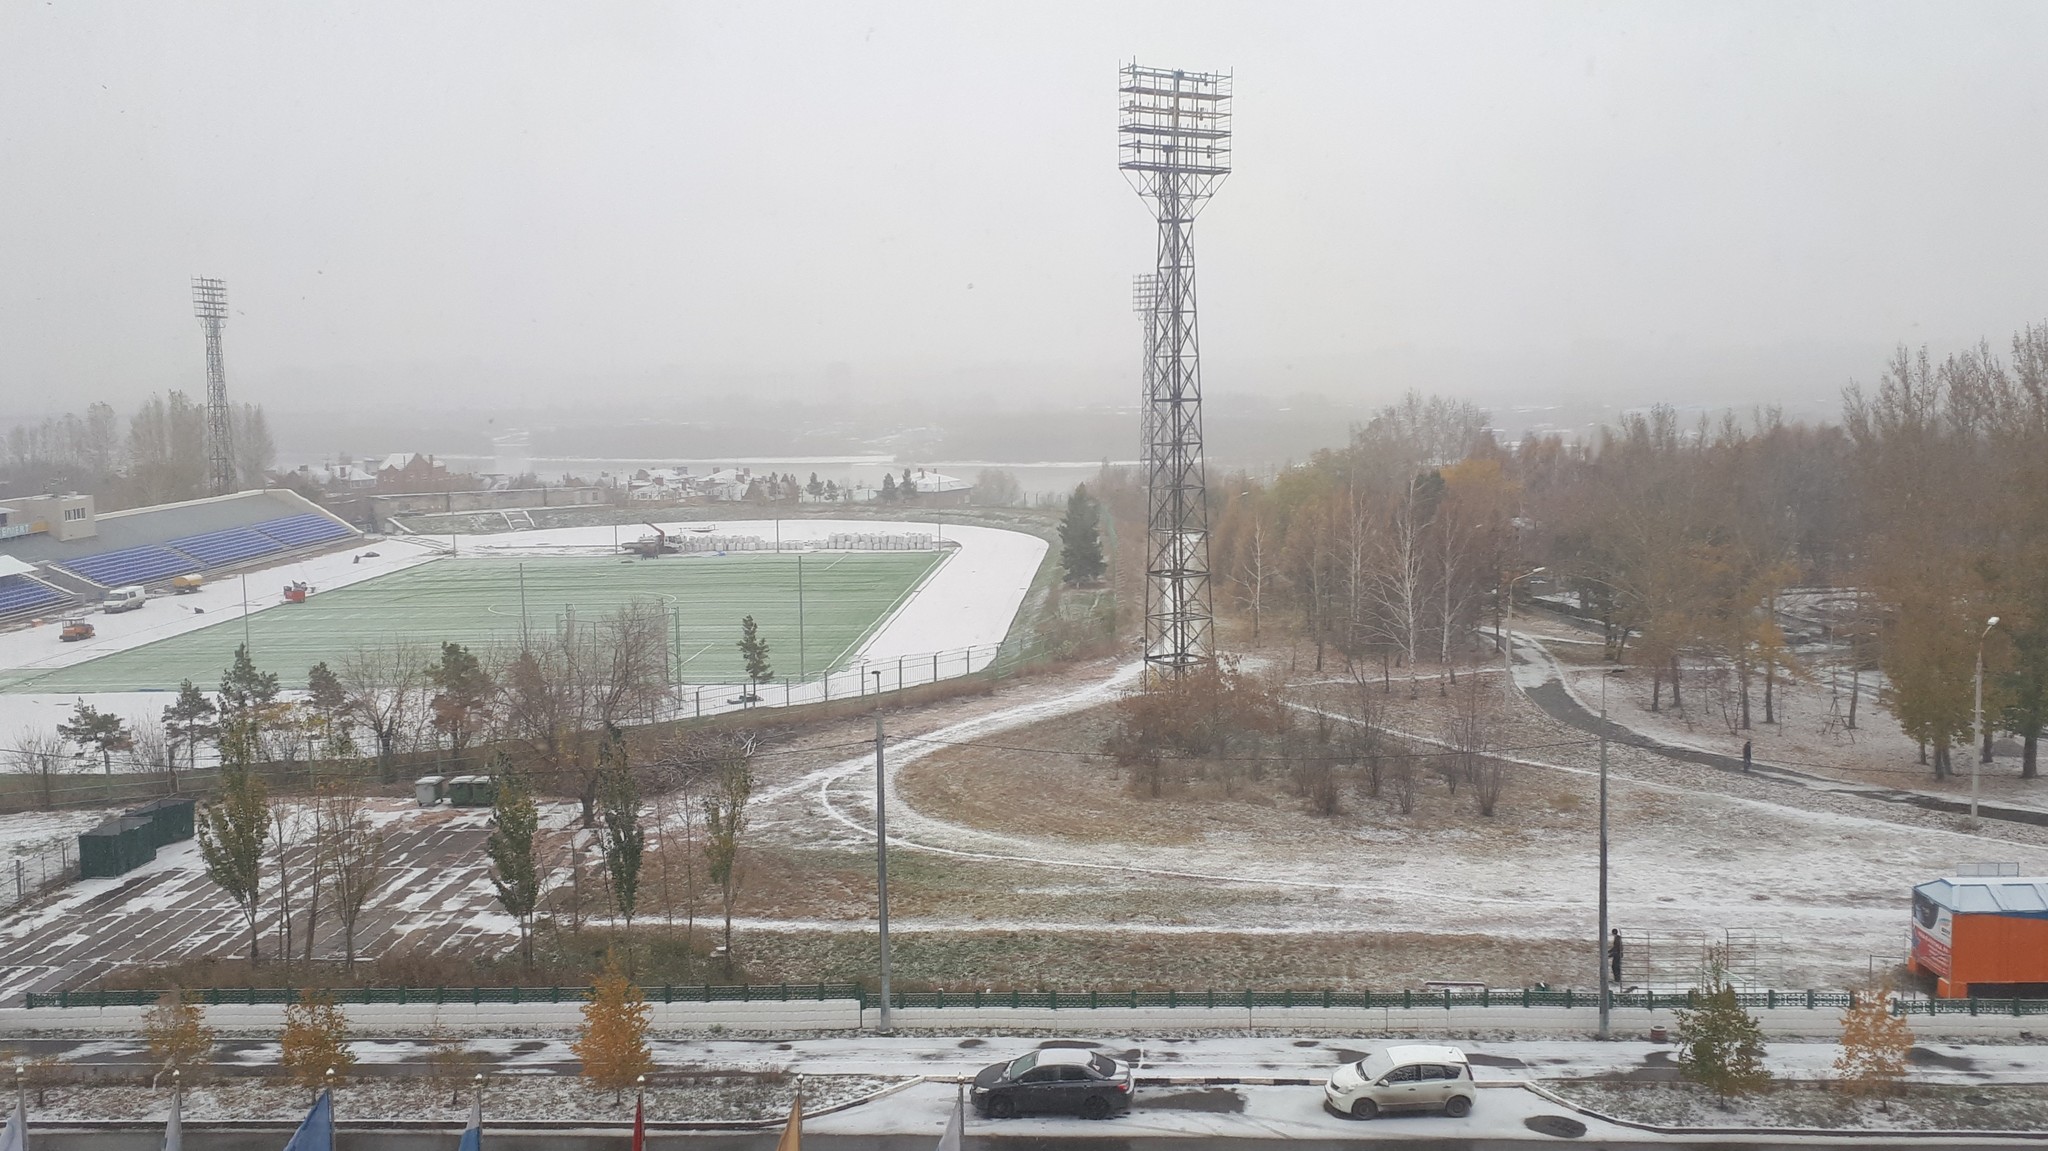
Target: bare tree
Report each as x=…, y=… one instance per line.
x=730, y=777
x=354, y=850
x=40, y=754
x=385, y=688
x=1469, y=732
x=151, y=747
x=1400, y=784
x=1365, y=735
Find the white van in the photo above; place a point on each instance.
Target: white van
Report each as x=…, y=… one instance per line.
x=124, y=599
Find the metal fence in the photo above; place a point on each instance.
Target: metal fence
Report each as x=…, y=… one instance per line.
x=1240, y=1000
x=28, y=876
x=272, y=996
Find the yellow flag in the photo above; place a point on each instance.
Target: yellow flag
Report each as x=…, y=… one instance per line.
x=793, y=1131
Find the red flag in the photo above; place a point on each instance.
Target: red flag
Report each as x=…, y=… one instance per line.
x=639, y=1125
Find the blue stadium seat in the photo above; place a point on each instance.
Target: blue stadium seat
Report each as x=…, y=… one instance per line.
x=20, y=593
x=301, y=530
x=225, y=547
x=129, y=565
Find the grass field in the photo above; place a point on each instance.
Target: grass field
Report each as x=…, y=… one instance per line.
x=478, y=602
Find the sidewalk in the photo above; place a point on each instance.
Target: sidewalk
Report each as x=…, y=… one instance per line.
x=847, y=1015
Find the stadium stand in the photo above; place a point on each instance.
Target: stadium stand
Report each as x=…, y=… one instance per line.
x=300, y=531
x=20, y=593
x=129, y=566
x=226, y=547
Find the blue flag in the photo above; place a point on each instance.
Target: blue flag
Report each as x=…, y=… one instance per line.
x=317, y=1132
x=473, y=1135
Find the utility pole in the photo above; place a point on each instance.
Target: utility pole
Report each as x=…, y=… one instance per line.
x=1600, y=941
x=882, y=853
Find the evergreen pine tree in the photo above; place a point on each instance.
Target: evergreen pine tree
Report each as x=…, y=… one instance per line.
x=188, y=721
x=1081, y=538
x=754, y=650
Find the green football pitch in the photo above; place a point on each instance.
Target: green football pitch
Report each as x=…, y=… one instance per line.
x=477, y=602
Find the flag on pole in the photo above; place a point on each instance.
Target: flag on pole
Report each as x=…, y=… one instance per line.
x=950, y=1141
x=14, y=1137
x=639, y=1123
x=316, y=1132
x=174, y=1131
x=473, y=1135
x=793, y=1131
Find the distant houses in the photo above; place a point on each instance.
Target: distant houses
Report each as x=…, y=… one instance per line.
x=415, y=472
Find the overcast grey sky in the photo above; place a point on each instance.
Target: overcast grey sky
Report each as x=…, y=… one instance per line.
x=420, y=200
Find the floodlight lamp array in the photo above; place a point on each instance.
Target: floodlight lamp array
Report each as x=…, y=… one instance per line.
x=1175, y=122
x=209, y=298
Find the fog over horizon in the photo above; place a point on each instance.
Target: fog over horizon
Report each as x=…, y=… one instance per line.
x=465, y=214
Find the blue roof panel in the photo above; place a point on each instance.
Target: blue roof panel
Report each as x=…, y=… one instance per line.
x=1989, y=895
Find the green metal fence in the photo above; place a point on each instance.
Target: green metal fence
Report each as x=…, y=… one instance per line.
x=260, y=996
x=1242, y=1000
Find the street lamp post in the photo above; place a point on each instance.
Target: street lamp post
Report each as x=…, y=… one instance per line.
x=1507, y=640
x=1976, y=758
x=882, y=854
x=1600, y=945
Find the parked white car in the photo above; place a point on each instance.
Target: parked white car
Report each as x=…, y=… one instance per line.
x=1405, y=1077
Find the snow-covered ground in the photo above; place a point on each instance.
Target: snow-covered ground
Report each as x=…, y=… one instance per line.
x=967, y=603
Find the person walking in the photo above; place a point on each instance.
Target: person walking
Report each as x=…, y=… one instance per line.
x=1745, y=757
x=1614, y=954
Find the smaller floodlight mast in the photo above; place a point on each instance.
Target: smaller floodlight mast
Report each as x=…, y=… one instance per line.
x=210, y=304
x=1145, y=302
x=1174, y=147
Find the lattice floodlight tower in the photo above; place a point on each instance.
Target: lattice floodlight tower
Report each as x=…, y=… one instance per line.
x=1145, y=302
x=210, y=304
x=1175, y=149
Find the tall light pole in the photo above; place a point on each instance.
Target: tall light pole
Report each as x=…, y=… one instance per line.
x=882, y=854
x=1507, y=640
x=1976, y=758
x=1606, y=995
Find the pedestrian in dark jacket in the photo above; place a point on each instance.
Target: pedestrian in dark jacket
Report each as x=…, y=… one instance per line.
x=1614, y=954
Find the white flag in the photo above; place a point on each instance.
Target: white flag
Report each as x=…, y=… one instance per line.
x=950, y=1141
x=174, y=1131
x=15, y=1136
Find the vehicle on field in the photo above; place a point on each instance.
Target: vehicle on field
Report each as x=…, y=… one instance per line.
x=124, y=599
x=296, y=592
x=187, y=584
x=1403, y=1077
x=75, y=630
x=1054, y=1080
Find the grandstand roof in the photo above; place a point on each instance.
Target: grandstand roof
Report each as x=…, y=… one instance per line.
x=139, y=527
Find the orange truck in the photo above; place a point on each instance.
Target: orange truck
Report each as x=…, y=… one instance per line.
x=1982, y=935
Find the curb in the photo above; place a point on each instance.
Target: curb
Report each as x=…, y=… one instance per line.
x=1814, y=1132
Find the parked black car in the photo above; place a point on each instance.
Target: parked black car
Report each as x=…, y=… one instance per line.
x=1054, y=1080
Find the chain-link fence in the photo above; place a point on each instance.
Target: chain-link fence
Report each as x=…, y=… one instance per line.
x=28, y=876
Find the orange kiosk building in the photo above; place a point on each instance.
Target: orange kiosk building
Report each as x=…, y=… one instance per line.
x=1982, y=935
